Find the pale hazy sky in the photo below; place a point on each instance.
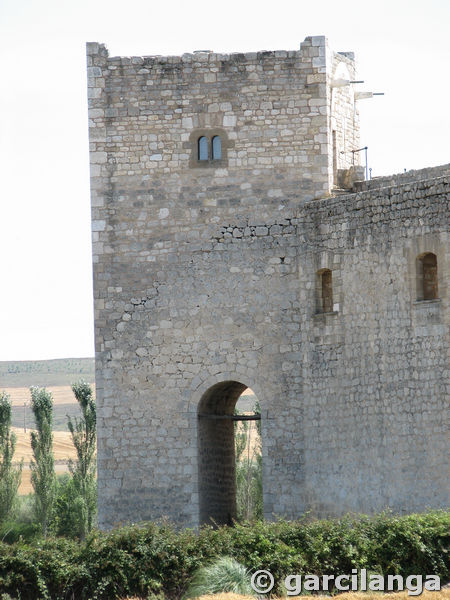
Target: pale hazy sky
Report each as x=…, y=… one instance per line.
x=402, y=49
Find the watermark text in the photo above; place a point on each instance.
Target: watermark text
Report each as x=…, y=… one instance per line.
x=263, y=582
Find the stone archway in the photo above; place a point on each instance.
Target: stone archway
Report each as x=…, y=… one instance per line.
x=216, y=452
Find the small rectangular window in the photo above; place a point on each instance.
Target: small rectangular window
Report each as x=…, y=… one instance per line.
x=203, y=148
x=216, y=147
x=327, y=291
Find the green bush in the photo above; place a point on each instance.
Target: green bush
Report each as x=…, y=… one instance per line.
x=157, y=560
x=23, y=526
x=45, y=570
x=64, y=520
x=261, y=545
x=148, y=559
x=14, y=531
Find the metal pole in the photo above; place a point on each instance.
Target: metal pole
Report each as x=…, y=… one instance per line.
x=249, y=474
x=366, y=174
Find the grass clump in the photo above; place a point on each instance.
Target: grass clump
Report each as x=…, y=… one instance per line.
x=225, y=574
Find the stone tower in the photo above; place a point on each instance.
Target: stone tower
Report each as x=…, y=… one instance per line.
x=223, y=260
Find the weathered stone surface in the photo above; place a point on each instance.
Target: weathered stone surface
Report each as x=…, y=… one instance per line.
x=205, y=281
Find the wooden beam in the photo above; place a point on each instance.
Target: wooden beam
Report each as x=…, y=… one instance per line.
x=255, y=417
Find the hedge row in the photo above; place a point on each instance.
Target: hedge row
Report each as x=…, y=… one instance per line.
x=157, y=560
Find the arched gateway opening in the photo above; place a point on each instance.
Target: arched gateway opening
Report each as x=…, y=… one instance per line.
x=216, y=451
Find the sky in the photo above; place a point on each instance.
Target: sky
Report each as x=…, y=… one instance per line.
x=401, y=47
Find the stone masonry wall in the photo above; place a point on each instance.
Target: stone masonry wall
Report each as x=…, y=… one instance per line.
x=399, y=178
x=343, y=116
x=207, y=274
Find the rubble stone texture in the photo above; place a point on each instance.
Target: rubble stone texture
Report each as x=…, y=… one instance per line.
x=207, y=280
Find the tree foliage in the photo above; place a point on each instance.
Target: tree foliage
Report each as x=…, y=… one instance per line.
x=84, y=432
x=249, y=469
x=10, y=475
x=43, y=464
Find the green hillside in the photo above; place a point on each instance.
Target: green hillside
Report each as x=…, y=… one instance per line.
x=61, y=371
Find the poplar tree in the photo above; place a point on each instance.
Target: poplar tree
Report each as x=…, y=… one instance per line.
x=42, y=467
x=84, y=436
x=10, y=476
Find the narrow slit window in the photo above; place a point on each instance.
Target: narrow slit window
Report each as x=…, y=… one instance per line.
x=203, y=148
x=429, y=276
x=216, y=147
x=327, y=291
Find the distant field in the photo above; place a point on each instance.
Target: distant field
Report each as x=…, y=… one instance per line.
x=16, y=378
x=63, y=451
x=64, y=404
x=46, y=373
x=246, y=402
x=26, y=487
x=23, y=416
x=62, y=394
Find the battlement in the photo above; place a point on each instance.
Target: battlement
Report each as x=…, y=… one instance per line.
x=312, y=47
x=208, y=56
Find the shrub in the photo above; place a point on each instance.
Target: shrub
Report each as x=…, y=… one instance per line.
x=65, y=517
x=156, y=559
x=46, y=570
x=23, y=527
x=148, y=559
x=260, y=546
x=15, y=531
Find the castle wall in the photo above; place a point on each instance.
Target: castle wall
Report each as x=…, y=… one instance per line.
x=343, y=115
x=401, y=178
x=207, y=275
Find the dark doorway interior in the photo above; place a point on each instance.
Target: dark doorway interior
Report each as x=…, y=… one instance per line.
x=216, y=451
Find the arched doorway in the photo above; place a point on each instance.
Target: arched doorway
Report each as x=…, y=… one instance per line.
x=216, y=452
